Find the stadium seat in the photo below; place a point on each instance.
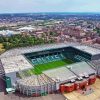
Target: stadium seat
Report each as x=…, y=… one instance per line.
x=49, y=58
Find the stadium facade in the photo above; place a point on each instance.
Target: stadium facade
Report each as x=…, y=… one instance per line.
x=44, y=69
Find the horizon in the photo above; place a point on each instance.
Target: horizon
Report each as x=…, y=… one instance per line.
x=51, y=13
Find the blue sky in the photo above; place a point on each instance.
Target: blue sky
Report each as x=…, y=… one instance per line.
x=22, y=6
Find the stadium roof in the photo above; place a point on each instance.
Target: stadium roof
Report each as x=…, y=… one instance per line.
x=60, y=74
x=29, y=81
x=23, y=50
x=15, y=63
x=90, y=50
x=81, y=68
x=35, y=80
x=96, y=64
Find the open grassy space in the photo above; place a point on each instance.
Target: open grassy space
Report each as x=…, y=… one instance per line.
x=38, y=69
x=1, y=48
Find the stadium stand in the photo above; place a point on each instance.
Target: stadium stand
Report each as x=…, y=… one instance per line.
x=40, y=70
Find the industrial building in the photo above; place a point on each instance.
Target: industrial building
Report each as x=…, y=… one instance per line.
x=21, y=72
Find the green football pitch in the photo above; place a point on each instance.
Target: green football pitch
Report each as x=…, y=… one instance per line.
x=38, y=69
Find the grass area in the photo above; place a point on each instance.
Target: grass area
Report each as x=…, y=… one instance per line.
x=38, y=69
x=1, y=48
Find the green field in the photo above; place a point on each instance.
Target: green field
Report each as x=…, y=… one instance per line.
x=38, y=69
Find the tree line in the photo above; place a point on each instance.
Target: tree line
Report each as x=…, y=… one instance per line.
x=22, y=41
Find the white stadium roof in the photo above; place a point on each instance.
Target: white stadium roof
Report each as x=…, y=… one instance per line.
x=13, y=60
x=23, y=50
x=35, y=80
x=90, y=50
x=61, y=74
x=81, y=68
x=15, y=64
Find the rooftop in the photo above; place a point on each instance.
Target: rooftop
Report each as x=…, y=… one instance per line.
x=9, y=32
x=60, y=74
x=81, y=68
x=35, y=80
x=90, y=50
x=27, y=28
x=15, y=63
x=23, y=50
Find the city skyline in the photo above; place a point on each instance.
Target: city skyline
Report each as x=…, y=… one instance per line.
x=34, y=6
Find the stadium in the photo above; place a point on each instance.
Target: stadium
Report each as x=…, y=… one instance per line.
x=53, y=68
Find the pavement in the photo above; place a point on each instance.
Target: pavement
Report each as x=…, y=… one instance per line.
x=20, y=97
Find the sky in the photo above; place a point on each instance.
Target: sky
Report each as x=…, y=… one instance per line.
x=29, y=6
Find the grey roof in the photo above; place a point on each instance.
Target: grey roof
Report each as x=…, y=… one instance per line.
x=35, y=80
x=61, y=74
x=23, y=50
x=15, y=64
x=88, y=49
x=81, y=68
